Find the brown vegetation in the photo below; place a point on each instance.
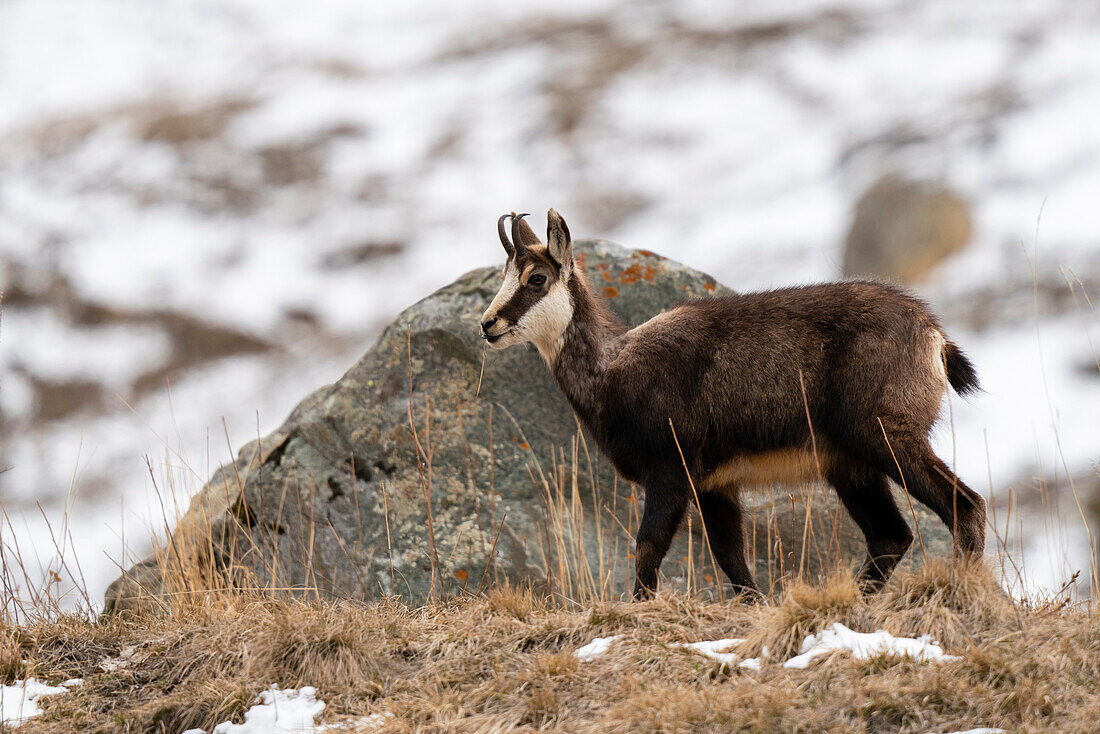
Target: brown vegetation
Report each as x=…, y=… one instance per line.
x=503, y=660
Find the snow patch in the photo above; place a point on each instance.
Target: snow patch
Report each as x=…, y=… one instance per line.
x=19, y=701
x=279, y=711
x=595, y=649
x=865, y=645
x=714, y=649
x=286, y=711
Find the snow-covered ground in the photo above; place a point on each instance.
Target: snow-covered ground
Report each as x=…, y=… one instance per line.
x=276, y=712
x=866, y=645
x=834, y=638
x=19, y=701
x=595, y=649
x=294, y=175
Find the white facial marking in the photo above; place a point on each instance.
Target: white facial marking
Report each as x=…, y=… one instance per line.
x=545, y=323
x=508, y=289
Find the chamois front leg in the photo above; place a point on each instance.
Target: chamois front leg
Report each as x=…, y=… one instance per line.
x=665, y=502
x=726, y=533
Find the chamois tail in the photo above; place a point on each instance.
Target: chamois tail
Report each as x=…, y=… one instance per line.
x=960, y=370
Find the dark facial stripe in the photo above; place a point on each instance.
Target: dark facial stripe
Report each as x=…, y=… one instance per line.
x=519, y=304
x=524, y=298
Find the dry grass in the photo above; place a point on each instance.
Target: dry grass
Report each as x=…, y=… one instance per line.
x=503, y=660
x=805, y=609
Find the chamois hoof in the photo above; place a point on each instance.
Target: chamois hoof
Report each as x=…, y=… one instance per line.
x=749, y=595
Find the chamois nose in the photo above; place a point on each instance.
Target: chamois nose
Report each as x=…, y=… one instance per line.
x=487, y=324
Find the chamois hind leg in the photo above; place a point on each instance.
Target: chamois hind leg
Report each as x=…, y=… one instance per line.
x=726, y=533
x=865, y=493
x=964, y=507
x=665, y=503
x=934, y=485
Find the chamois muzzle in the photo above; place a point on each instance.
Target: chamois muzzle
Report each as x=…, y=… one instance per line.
x=485, y=326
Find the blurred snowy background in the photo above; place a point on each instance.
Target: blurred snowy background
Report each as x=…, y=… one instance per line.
x=208, y=209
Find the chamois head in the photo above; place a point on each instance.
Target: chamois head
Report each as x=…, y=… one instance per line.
x=533, y=303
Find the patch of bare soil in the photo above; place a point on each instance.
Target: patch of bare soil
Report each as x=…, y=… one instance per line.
x=170, y=122
x=54, y=399
x=362, y=253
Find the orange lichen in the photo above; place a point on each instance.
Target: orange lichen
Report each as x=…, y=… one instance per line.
x=637, y=272
x=608, y=276
x=709, y=286
x=611, y=291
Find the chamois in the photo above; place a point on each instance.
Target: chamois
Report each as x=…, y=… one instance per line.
x=844, y=379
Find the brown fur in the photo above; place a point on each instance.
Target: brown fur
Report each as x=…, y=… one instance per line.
x=736, y=376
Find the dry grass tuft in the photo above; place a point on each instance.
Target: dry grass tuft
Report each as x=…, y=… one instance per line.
x=738, y=704
x=11, y=655
x=946, y=601
x=516, y=602
x=805, y=609
x=318, y=645
x=194, y=705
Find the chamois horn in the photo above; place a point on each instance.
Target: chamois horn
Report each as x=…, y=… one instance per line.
x=517, y=234
x=504, y=235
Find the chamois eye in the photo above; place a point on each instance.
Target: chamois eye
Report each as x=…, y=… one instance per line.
x=536, y=280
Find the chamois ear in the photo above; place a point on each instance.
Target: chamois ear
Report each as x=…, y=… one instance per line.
x=558, y=242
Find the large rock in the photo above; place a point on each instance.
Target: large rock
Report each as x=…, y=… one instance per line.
x=903, y=229
x=337, y=498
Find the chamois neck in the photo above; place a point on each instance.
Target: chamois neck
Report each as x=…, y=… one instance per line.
x=589, y=343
